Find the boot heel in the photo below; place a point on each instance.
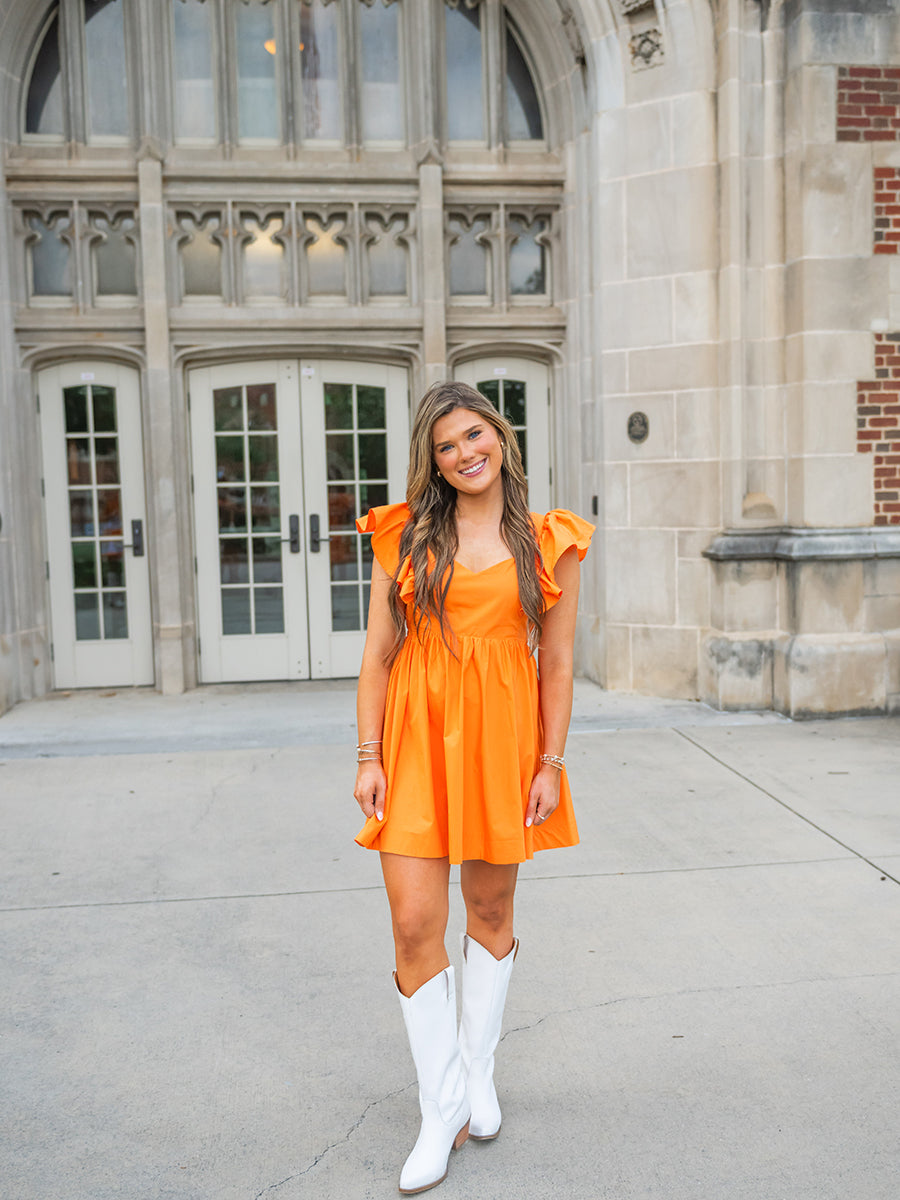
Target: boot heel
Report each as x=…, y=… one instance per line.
x=461, y=1137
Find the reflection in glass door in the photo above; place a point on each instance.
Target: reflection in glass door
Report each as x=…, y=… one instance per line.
x=93, y=482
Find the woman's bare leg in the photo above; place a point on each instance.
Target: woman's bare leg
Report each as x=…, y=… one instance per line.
x=417, y=890
x=489, y=891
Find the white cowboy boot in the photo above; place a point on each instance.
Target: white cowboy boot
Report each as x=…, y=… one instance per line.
x=430, y=1017
x=485, y=981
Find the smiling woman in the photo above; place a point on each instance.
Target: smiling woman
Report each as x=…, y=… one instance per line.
x=460, y=756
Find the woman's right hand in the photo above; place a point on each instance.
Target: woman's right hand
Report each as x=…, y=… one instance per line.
x=371, y=789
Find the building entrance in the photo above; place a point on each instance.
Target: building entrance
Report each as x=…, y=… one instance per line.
x=286, y=454
x=94, y=511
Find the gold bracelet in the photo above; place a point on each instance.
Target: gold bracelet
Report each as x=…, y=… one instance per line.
x=553, y=760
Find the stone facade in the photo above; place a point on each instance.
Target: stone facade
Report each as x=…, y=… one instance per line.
x=719, y=182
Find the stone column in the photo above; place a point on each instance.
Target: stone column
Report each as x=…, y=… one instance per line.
x=163, y=545
x=434, y=288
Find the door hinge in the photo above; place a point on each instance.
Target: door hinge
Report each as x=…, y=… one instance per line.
x=47, y=569
x=189, y=401
x=37, y=400
x=199, y=650
x=551, y=474
x=52, y=653
x=195, y=564
x=43, y=493
x=192, y=485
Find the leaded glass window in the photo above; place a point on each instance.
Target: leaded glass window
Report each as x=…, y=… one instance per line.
x=44, y=105
x=194, y=99
x=106, y=73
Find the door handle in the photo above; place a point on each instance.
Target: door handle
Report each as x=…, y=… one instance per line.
x=294, y=532
x=136, y=545
x=314, y=538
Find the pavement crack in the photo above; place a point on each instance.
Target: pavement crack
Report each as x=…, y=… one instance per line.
x=677, y=995
x=338, y=1142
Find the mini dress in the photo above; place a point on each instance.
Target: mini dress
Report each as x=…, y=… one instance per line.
x=462, y=733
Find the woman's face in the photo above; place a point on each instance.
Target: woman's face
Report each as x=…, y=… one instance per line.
x=467, y=451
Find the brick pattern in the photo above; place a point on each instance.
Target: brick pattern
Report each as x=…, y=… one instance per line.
x=878, y=426
x=868, y=104
x=887, y=210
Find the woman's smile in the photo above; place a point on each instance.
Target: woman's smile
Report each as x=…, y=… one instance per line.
x=467, y=451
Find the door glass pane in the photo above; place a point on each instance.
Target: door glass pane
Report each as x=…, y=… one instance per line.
x=320, y=72
x=268, y=606
x=233, y=561
x=523, y=113
x=236, y=611
x=338, y=406
x=115, y=619
x=195, y=106
x=78, y=453
x=259, y=111
x=75, y=402
x=261, y=406
x=468, y=256
x=112, y=567
x=382, y=95
x=43, y=109
x=465, y=106
x=84, y=564
x=266, y=560
x=104, y=399
x=50, y=253
x=106, y=78
x=342, y=552
x=95, y=513
x=357, y=473
x=246, y=440
x=87, y=617
x=263, y=456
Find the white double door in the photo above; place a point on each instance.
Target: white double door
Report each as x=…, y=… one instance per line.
x=285, y=455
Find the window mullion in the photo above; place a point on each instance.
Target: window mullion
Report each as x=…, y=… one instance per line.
x=71, y=37
x=228, y=84
x=351, y=66
x=288, y=76
x=492, y=57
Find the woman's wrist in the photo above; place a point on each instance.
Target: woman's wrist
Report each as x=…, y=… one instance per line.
x=369, y=750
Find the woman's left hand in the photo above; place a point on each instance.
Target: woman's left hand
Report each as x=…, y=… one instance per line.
x=544, y=796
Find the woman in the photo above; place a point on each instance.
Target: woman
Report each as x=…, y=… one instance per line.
x=460, y=749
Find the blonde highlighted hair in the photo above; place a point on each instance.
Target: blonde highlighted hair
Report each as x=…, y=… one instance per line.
x=432, y=523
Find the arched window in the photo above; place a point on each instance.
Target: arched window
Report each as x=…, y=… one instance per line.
x=43, y=104
x=266, y=73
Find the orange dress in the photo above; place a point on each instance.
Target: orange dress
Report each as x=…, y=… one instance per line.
x=462, y=734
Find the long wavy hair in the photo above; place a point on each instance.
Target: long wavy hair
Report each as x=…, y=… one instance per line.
x=432, y=523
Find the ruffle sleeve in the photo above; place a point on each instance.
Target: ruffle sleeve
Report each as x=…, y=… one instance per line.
x=558, y=531
x=385, y=523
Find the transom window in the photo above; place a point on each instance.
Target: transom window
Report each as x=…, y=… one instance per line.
x=268, y=73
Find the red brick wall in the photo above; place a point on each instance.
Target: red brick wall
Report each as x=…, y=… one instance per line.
x=868, y=104
x=887, y=210
x=878, y=426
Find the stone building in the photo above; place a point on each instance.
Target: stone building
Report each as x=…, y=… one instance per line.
x=239, y=237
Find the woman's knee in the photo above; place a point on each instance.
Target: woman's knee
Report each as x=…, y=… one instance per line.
x=416, y=932
x=492, y=909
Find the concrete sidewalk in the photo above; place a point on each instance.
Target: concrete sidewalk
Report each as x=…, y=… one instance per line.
x=196, y=1002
